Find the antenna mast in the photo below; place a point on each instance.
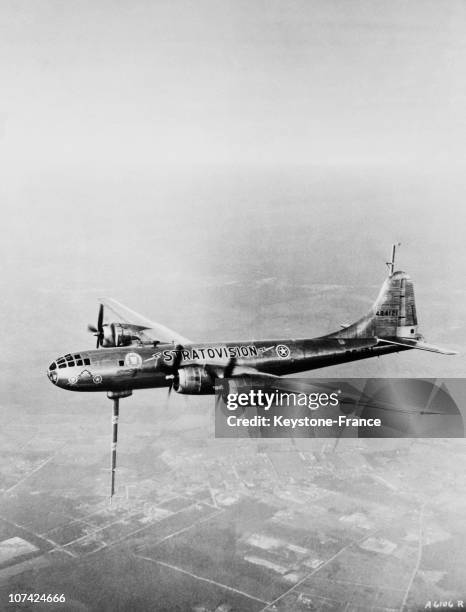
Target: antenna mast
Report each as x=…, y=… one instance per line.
x=391, y=263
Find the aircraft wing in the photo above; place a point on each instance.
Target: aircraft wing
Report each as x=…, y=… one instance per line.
x=155, y=331
x=416, y=344
x=248, y=371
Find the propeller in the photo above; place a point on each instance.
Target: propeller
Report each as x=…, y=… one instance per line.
x=99, y=330
x=173, y=369
x=227, y=372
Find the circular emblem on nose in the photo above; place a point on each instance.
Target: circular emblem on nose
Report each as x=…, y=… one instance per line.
x=133, y=360
x=72, y=380
x=282, y=351
x=97, y=379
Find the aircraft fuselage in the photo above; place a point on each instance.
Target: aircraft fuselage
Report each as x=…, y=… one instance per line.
x=143, y=367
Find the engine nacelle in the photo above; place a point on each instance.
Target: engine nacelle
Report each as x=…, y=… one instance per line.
x=117, y=334
x=193, y=380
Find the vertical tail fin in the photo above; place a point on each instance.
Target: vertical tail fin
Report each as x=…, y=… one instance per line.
x=393, y=314
x=394, y=311
x=392, y=320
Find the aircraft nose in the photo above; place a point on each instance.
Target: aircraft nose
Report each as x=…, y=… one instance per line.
x=52, y=373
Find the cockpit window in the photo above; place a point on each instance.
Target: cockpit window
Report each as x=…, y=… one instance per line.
x=68, y=361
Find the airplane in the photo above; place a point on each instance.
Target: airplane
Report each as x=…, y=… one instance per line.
x=141, y=354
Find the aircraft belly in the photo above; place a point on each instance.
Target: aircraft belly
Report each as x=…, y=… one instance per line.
x=139, y=379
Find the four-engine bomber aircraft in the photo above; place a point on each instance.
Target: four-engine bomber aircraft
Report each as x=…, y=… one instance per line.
x=141, y=354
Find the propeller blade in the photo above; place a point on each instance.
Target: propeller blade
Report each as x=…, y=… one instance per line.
x=100, y=318
x=99, y=330
x=228, y=371
x=171, y=379
x=173, y=369
x=178, y=357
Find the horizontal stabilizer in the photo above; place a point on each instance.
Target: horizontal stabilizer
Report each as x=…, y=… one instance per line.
x=416, y=344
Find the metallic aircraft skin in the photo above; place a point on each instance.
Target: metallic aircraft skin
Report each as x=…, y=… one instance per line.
x=109, y=369
x=139, y=354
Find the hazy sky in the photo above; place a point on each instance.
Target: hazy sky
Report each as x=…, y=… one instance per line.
x=232, y=169
x=145, y=83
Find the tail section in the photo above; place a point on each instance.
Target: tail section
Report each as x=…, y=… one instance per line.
x=392, y=320
x=394, y=311
x=393, y=314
